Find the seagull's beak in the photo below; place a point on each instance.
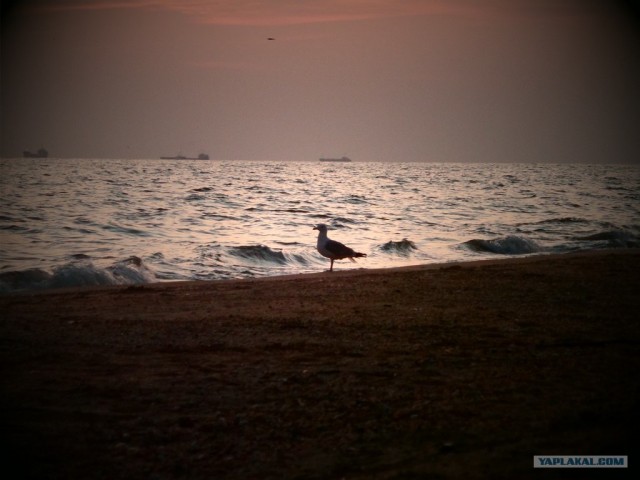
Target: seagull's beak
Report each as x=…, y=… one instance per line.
x=315, y=228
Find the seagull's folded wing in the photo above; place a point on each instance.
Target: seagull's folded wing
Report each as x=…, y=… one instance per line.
x=338, y=250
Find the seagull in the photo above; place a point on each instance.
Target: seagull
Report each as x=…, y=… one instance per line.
x=332, y=249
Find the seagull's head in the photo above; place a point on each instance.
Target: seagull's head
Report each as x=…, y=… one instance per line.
x=321, y=227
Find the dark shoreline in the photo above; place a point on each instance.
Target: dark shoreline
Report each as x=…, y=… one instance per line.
x=343, y=269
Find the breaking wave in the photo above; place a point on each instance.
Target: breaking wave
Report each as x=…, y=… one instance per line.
x=510, y=245
x=614, y=239
x=83, y=273
x=259, y=252
x=403, y=247
x=265, y=256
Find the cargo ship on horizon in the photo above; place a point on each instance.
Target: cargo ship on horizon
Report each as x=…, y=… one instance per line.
x=41, y=153
x=341, y=159
x=202, y=156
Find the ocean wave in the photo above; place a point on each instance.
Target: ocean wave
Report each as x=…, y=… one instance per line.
x=510, y=245
x=15, y=228
x=342, y=222
x=194, y=197
x=567, y=220
x=115, y=228
x=614, y=239
x=265, y=258
x=289, y=210
x=355, y=199
x=83, y=273
x=403, y=247
x=259, y=252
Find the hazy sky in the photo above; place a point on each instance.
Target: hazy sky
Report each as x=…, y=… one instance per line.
x=401, y=80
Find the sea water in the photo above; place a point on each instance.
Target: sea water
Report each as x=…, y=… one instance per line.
x=73, y=222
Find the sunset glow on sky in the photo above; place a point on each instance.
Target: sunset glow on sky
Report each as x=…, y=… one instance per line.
x=388, y=80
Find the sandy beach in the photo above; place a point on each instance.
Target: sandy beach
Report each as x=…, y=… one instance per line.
x=441, y=371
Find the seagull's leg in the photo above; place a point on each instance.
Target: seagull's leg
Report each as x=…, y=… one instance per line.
x=331, y=269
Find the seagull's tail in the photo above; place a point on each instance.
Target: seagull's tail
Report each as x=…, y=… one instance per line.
x=357, y=254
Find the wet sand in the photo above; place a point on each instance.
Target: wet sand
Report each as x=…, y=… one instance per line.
x=445, y=371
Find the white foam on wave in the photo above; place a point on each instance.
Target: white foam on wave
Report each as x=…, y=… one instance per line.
x=83, y=273
x=267, y=256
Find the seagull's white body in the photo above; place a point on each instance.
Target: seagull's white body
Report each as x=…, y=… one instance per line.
x=332, y=249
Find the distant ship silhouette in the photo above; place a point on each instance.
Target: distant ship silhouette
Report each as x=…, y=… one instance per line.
x=341, y=159
x=202, y=156
x=41, y=153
